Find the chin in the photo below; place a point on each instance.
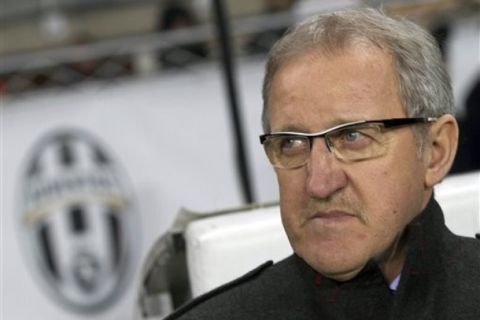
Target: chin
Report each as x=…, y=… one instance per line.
x=343, y=275
x=340, y=268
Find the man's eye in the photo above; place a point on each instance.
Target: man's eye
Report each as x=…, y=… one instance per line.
x=352, y=136
x=292, y=145
x=353, y=139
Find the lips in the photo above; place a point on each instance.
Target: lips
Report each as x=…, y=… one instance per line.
x=333, y=215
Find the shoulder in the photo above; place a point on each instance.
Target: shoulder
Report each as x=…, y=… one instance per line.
x=206, y=299
x=465, y=251
x=243, y=296
x=462, y=265
x=459, y=281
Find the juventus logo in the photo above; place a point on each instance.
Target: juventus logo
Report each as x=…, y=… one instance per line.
x=78, y=220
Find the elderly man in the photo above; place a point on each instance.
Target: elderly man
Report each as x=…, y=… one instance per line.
x=358, y=115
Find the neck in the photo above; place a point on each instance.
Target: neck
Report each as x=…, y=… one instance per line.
x=392, y=260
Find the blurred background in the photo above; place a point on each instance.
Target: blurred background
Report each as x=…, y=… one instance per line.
x=115, y=114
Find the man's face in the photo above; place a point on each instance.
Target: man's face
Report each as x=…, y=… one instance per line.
x=339, y=215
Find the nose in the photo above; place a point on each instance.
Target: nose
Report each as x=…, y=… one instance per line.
x=325, y=176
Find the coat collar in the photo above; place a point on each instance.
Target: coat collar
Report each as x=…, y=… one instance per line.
x=420, y=273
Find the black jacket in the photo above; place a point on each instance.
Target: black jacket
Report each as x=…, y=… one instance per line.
x=440, y=280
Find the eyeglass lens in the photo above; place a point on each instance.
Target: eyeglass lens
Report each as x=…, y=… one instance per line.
x=350, y=144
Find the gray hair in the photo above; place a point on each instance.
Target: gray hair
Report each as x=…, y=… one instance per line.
x=424, y=84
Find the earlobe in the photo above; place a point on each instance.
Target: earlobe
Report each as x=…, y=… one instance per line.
x=442, y=145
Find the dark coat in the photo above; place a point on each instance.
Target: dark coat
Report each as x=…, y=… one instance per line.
x=440, y=280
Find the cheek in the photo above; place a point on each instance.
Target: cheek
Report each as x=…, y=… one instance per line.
x=291, y=185
x=362, y=236
x=397, y=201
x=293, y=200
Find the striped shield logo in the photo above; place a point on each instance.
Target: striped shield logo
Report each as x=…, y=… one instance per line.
x=78, y=220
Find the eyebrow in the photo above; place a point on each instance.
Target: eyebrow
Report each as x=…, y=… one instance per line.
x=302, y=129
x=321, y=133
x=291, y=128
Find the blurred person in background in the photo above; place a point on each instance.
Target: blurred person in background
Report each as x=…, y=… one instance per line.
x=175, y=16
x=468, y=157
x=359, y=127
x=262, y=42
x=442, y=18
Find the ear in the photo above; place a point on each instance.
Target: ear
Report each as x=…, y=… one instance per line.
x=440, y=149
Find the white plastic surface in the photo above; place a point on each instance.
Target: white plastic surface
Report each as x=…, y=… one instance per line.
x=459, y=196
x=225, y=247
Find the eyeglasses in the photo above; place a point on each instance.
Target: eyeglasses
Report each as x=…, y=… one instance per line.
x=353, y=141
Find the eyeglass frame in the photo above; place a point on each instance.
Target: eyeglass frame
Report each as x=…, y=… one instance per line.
x=386, y=123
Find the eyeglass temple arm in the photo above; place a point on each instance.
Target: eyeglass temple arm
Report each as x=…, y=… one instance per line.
x=405, y=121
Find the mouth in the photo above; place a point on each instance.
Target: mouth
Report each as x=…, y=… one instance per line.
x=333, y=216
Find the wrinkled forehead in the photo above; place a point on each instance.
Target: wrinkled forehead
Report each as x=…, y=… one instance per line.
x=327, y=51
x=354, y=84
x=292, y=47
